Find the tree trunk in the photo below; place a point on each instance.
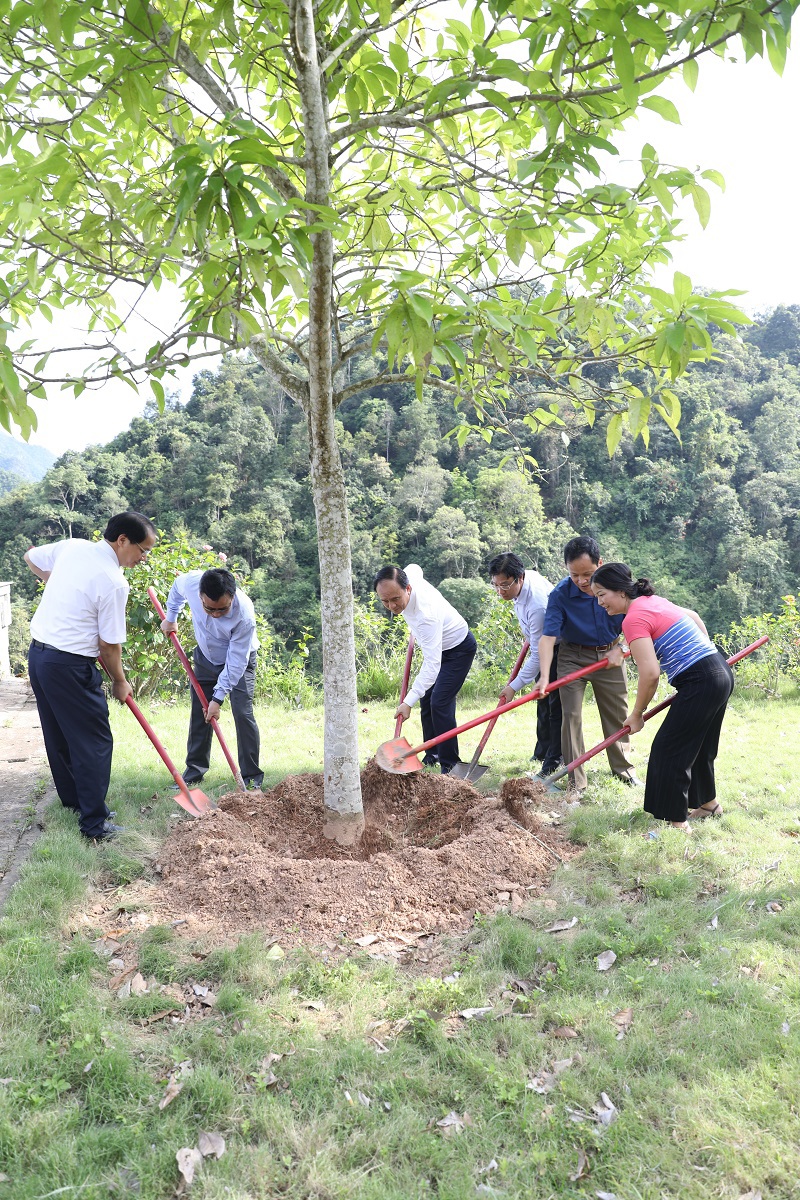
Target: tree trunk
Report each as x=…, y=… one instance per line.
x=343, y=806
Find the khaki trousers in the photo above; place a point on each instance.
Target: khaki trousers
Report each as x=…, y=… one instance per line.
x=610, y=689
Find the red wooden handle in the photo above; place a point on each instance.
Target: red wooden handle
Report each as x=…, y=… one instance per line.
x=600, y=665
x=201, y=696
x=614, y=737
x=404, y=685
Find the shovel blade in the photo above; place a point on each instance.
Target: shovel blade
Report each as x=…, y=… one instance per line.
x=395, y=757
x=195, y=802
x=469, y=771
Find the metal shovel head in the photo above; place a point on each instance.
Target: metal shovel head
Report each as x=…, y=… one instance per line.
x=472, y=772
x=394, y=757
x=196, y=802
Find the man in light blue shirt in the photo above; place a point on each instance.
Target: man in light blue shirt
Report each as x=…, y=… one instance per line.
x=528, y=592
x=224, y=622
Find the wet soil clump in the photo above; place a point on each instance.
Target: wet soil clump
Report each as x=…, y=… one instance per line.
x=434, y=851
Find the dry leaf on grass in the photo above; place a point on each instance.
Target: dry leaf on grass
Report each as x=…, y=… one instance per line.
x=750, y=1196
x=713, y=923
x=606, y=1195
x=606, y=1111
x=606, y=960
x=367, y=940
x=774, y=907
x=453, y=1124
x=544, y=1083
x=211, y=1143
x=564, y=1031
x=275, y=952
x=623, y=1021
x=582, y=1168
x=189, y=1159
x=471, y=1014
x=173, y=1089
x=317, y=1005
x=561, y=926
x=138, y=985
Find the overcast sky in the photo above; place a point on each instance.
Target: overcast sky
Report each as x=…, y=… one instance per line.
x=741, y=120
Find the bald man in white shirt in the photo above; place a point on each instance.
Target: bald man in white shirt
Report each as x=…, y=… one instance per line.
x=82, y=614
x=448, y=649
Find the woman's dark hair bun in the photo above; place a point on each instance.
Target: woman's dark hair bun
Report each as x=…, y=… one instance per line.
x=644, y=587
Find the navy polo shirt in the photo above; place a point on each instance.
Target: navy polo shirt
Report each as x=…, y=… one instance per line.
x=575, y=617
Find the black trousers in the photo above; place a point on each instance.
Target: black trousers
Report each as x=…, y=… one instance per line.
x=548, y=725
x=680, y=773
x=77, y=736
x=198, y=746
x=437, y=708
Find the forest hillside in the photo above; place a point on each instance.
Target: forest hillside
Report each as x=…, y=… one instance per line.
x=713, y=519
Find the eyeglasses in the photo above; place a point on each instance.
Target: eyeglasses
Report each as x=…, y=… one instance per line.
x=506, y=586
x=144, y=553
x=213, y=611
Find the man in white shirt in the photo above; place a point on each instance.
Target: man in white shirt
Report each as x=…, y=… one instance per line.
x=82, y=614
x=528, y=591
x=224, y=622
x=448, y=649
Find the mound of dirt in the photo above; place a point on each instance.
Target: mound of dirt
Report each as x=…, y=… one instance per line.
x=433, y=852
x=520, y=797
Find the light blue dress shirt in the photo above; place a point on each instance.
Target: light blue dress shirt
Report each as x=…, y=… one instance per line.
x=530, y=606
x=230, y=639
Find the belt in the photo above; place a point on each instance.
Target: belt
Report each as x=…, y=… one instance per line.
x=71, y=653
x=583, y=646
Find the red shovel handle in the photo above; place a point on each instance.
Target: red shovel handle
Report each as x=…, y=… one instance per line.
x=201, y=696
x=487, y=732
x=614, y=737
x=600, y=665
x=404, y=684
x=153, y=736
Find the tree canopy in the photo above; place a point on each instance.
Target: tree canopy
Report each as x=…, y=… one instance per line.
x=315, y=182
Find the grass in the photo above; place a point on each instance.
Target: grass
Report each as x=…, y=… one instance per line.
x=704, y=1081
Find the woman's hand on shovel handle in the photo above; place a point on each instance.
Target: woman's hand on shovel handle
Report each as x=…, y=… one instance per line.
x=634, y=721
x=403, y=711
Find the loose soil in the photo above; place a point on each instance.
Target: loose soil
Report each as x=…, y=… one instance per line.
x=434, y=851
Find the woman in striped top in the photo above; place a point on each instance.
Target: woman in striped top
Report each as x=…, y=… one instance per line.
x=664, y=637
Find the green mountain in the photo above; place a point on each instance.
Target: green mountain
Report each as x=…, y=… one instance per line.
x=27, y=463
x=712, y=518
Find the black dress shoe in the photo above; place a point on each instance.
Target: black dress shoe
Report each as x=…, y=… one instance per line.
x=109, y=831
x=631, y=780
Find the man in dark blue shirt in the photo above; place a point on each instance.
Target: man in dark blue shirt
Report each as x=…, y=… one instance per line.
x=586, y=634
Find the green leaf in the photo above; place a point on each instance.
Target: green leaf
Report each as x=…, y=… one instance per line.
x=665, y=108
x=714, y=177
x=614, y=433
x=691, y=71
x=682, y=287
x=702, y=203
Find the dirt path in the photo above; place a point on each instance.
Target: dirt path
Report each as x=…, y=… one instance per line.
x=23, y=767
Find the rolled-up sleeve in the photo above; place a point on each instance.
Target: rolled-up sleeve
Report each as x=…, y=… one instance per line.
x=554, y=617
x=236, y=659
x=176, y=599
x=530, y=668
x=428, y=634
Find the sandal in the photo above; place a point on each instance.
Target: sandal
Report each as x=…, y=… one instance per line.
x=700, y=814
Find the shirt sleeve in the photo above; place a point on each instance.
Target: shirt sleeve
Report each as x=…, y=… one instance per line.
x=44, y=557
x=111, y=626
x=638, y=625
x=554, y=616
x=428, y=633
x=236, y=659
x=176, y=598
x=530, y=668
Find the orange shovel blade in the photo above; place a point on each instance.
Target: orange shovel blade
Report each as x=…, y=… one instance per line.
x=395, y=757
x=196, y=803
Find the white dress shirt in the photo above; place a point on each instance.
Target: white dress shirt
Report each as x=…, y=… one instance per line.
x=530, y=606
x=84, y=598
x=230, y=639
x=436, y=626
